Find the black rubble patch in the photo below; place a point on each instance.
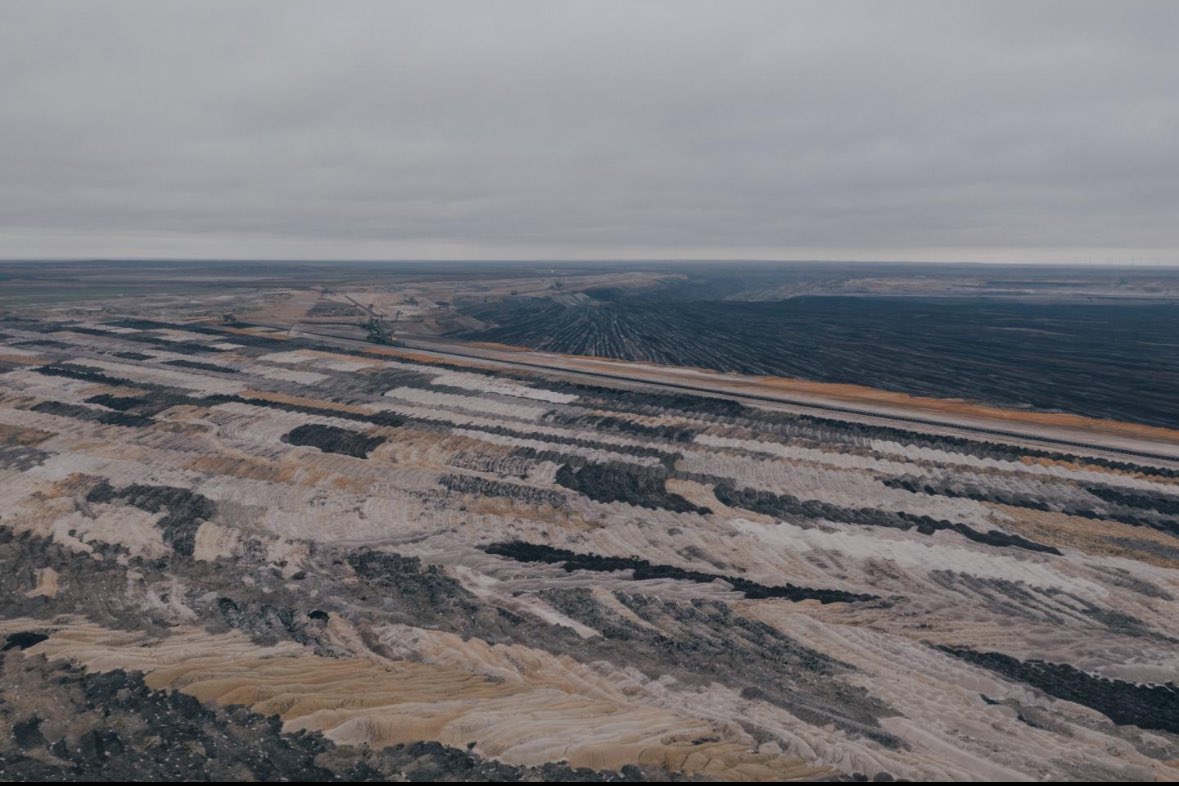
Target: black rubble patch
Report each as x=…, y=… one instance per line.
x=62, y=409
x=179, y=347
x=1145, y=706
x=510, y=465
x=89, y=331
x=43, y=343
x=199, y=366
x=783, y=505
x=132, y=356
x=389, y=419
x=704, y=642
x=383, y=566
x=27, y=733
x=423, y=595
x=1120, y=577
x=126, y=731
x=644, y=487
x=175, y=396
x=1039, y=605
x=377, y=379
x=919, y=485
x=187, y=510
x=160, y=397
x=1138, y=509
x=75, y=371
x=32, y=325
x=332, y=439
x=94, y=588
x=149, y=404
x=627, y=427
x=626, y=400
x=644, y=571
x=266, y=622
x=1147, y=500
x=139, y=324
x=22, y=640
x=555, y=456
x=79, y=412
x=1149, y=546
x=483, y=487
x=119, y=403
x=665, y=457
x=21, y=457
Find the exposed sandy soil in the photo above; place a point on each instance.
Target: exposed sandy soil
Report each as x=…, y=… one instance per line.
x=378, y=549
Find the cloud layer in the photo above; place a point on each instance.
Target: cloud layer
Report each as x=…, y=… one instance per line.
x=911, y=130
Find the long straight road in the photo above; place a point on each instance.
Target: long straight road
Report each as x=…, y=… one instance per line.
x=1105, y=439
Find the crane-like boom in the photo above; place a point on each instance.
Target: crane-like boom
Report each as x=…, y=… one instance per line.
x=378, y=332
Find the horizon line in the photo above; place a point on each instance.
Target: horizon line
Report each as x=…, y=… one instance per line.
x=609, y=260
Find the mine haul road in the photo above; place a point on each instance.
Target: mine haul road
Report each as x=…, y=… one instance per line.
x=672, y=379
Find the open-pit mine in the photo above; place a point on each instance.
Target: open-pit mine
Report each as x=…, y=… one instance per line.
x=239, y=541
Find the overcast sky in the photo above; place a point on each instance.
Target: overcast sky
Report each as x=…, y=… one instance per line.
x=1013, y=131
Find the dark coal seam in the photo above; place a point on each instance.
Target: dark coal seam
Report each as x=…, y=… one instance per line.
x=1138, y=503
x=1124, y=703
x=332, y=439
x=784, y=504
x=645, y=571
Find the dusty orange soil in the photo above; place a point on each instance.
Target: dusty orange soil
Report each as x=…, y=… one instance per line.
x=963, y=407
x=15, y=435
x=421, y=357
x=1093, y=536
x=502, y=347
x=21, y=360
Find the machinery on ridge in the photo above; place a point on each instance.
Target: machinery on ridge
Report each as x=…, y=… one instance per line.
x=378, y=331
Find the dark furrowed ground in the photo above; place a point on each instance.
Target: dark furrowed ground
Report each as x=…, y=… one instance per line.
x=1100, y=360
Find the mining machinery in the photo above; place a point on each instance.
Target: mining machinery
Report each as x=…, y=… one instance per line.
x=378, y=331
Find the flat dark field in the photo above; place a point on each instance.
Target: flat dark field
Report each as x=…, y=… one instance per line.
x=1106, y=360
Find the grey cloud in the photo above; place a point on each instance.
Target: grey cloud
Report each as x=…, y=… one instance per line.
x=903, y=130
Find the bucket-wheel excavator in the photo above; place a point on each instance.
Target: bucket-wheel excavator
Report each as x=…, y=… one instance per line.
x=378, y=331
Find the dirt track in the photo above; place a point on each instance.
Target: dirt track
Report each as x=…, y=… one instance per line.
x=1054, y=431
